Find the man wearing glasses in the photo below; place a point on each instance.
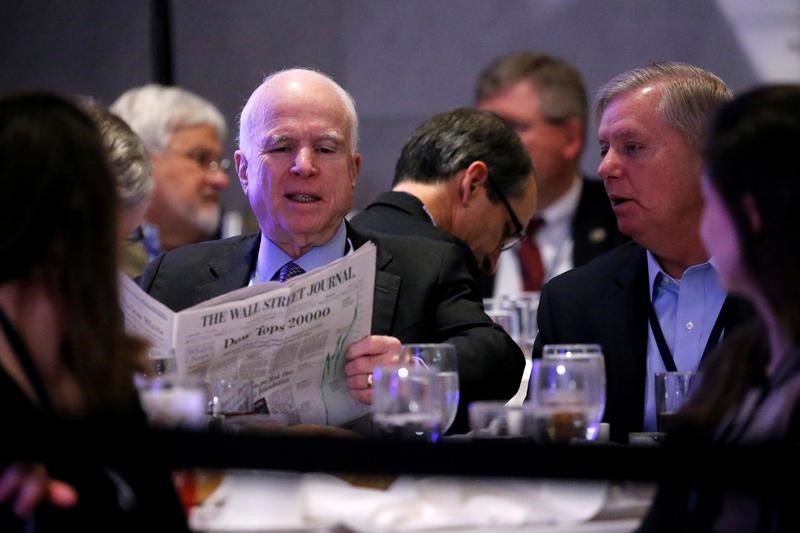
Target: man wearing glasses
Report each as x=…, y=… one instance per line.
x=462, y=177
x=184, y=136
x=297, y=163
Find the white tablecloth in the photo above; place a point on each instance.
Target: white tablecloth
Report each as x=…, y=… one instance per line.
x=271, y=501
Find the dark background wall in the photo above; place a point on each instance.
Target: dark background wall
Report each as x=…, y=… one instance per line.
x=402, y=61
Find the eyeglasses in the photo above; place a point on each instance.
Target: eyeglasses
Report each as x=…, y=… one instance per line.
x=205, y=161
x=519, y=231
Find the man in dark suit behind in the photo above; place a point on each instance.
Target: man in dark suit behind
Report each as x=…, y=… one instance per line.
x=297, y=163
x=655, y=303
x=544, y=99
x=446, y=161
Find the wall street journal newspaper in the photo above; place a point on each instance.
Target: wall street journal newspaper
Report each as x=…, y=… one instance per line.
x=289, y=338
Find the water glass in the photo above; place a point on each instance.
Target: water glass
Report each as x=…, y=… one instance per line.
x=230, y=396
x=673, y=390
x=527, y=305
x=568, y=389
x=173, y=400
x=403, y=404
x=496, y=419
x=508, y=319
x=161, y=365
x=442, y=359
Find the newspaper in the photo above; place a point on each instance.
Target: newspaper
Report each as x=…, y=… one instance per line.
x=289, y=338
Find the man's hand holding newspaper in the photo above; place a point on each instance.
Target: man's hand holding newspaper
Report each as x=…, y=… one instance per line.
x=290, y=338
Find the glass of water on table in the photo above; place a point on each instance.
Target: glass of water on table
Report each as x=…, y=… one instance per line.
x=441, y=359
x=403, y=403
x=568, y=390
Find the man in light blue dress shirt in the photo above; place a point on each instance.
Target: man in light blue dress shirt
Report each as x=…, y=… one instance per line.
x=687, y=309
x=655, y=303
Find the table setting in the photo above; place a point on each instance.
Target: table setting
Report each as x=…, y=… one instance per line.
x=413, y=401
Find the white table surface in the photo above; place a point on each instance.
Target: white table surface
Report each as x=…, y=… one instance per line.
x=283, y=501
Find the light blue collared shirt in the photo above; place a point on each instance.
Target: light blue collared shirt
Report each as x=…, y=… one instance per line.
x=151, y=240
x=687, y=310
x=271, y=258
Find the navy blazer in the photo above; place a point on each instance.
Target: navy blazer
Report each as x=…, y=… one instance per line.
x=605, y=302
x=424, y=292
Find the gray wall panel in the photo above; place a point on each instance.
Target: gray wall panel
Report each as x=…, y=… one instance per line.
x=402, y=61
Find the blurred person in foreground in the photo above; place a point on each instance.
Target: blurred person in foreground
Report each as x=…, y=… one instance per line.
x=184, y=135
x=446, y=159
x=751, y=390
x=297, y=163
x=544, y=99
x=656, y=303
x=133, y=172
x=65, y=359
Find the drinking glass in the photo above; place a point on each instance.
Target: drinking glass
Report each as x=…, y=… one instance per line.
x=230, y=396
x=527, y=305
x=442, y=359
x=673, y=390
x=497, y=419
x=403, y=403
x=173, y=400
x=161, y=366
x=228, y=392
x=568, y=389
x=508, y=319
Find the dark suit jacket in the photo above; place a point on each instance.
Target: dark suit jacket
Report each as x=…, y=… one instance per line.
x=401, y=213
x=605, y=302
x=594, y=229
x=423, y=293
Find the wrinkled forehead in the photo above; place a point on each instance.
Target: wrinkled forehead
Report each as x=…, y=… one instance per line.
x=280, y=104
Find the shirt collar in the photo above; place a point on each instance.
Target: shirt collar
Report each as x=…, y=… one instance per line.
x=151, y=239
x=271, y=258
x=655, y=273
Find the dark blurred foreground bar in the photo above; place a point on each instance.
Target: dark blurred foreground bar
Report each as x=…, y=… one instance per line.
x=753, y=467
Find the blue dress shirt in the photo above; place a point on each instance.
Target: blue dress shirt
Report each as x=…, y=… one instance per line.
x=687, y=310
x=271, y=258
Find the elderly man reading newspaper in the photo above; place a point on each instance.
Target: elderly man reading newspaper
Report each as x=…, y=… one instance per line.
x=297, y=163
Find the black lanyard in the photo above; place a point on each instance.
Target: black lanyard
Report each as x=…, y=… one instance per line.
x=23, y=355
x=716, y=332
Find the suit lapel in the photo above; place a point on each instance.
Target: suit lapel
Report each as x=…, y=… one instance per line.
x=590, y=232
x=387, y=286
x=387, y=289
x=231, y=271
x=630, y=337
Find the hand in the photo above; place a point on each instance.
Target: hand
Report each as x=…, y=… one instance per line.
x=29, y=484
x=362, y=357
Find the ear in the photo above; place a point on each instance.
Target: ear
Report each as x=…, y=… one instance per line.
x=573, y=136
x=356, y=169
x=753, y=214
x=240, y=161
x=471, y=181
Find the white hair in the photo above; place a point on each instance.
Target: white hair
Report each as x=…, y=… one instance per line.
x=155, y=111
x=690, y=95
x=246, y=118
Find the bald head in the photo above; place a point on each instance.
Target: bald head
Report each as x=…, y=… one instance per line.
x=293, y=84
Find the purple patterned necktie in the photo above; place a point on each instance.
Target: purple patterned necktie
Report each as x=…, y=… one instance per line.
x=289, y=270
